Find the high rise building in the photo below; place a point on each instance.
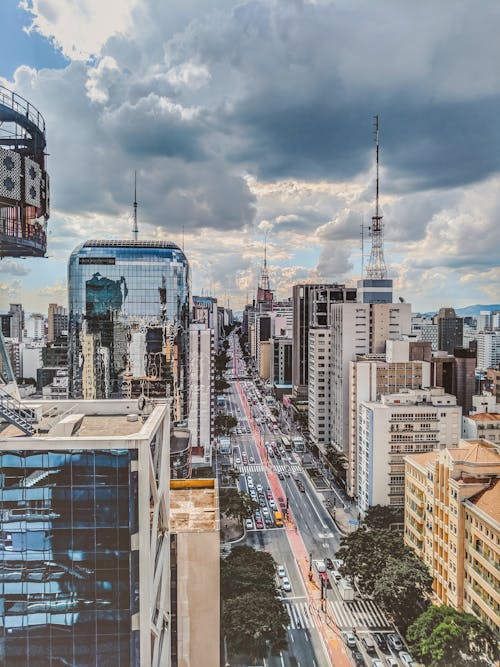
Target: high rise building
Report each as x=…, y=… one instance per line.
x=405, y=422
x=104, y=560
x=201, y=391
x=465, y=372
x=17, y=321
x=452, y=522
x=205, y=310
x=57, y=322
x=34, y=327
x=488, y=349
x=450, y=330
x=311, y=308
x=281, y=360
x=128, y=321
x=426, y=330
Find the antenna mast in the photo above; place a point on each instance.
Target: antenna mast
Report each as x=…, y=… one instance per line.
x=376, y=268
x=135, y=230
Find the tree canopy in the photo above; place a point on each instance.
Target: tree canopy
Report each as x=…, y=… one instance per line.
x=443, y=636
x=224, y=423
x=235, y=504
x=383, y=516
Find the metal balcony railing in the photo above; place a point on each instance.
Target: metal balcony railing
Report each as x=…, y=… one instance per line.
x=12, y=410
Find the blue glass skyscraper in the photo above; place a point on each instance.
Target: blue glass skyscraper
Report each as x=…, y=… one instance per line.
x=128, y=321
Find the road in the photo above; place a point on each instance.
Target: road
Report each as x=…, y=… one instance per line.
x=314, y=638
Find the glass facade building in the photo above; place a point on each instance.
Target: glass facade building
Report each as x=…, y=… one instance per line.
x=129, y=321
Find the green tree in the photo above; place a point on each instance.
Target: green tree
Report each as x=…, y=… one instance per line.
x=224, y=423
x=247, y=570
x=221, y=385
x=254, y=624
x=221, y=361
x=235, y=504
x=402, y=588
x=225, y=344
x=337, y=461
x=365, y=552
x=383, y=516
x=443, y=636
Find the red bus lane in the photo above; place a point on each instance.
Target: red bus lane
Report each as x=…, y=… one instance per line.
x=324, y=622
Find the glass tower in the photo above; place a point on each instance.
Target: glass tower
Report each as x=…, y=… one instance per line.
x=129, y=321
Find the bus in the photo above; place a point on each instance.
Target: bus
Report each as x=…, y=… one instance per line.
x=286, y=443
x=299, y=444
x=278, y=519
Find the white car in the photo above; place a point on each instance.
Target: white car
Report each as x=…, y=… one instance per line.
x=237, y=460
x=376, y=662
x=406, y=659
x=260, y=488
x=272, y=504
x=281, y=571
x=249, y=524
x=251, y=459
x=392, y=662
x=350, y=640
x=286, y=585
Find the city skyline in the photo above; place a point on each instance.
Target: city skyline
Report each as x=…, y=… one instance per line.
x=251, y=121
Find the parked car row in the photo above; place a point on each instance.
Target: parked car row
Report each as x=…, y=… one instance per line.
x=384, y=642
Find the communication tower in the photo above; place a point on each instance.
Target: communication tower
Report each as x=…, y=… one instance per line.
x=376, y=268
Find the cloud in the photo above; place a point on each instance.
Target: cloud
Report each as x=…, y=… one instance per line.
x=13, y=267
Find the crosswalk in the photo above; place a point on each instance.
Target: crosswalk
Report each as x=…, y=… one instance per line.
x=300, y=616
x=359, y=614
x=251, y=467
x=294, y=468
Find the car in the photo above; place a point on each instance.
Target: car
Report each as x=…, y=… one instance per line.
x=253, y=495
x=369, y=644
x=249, y=524
x=250, y=484
x=392, y=662
x=237, y=460
x=281, y=475
x=258, y=515
x=376, y=662
x=251, y=459
x=395, y=642
x=249, y=478
x=262, y=502
x=269, y=494
x=350, y=639
x=259, y=524
x=272, y=505
x=359, y=661
x=281, y=571
x=281, y=501
x=286, y=585
x=265, y=512
x=380, y=639
x=329, y=563
x=259, y=488
x=406, y=659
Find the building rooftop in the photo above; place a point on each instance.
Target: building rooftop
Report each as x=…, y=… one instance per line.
x=194, y=506
x=424, y=457
x=489, y=500
x=486, y=417
x=475, y=451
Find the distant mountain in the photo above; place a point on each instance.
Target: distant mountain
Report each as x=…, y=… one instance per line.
x=470, y=311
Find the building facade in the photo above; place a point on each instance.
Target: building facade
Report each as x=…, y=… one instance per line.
x=57, y=322
x=406, y=422
x=488, y=349
x=450, y=330
x=128, y=321
x=452, y=521
x=201, y=391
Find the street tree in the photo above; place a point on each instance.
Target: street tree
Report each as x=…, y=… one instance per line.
x=246, y=570
x=443, y=636
x=402, y=588
x=365, y=552
x=224, y=423
x=255, y=625
x=337, y=461
x=221, y=385
x=383, y=516
x=237, y=505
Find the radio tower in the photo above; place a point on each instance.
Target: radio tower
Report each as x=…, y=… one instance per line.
x=376, y=268
x=264, y=293
x=135, y=229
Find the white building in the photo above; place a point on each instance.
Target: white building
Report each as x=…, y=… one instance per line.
x=201, y=391
x=319, y=386
x=488, y=349
x=59, y=387
x=408, y=422
x=369, y=379
x=425, y=329
x=34, y=327
x=31, y=359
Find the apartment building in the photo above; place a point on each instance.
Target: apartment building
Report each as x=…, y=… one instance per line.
x=398, y=424
x=370, y=377
x=452, y=521
x=319, y=387
x=201, y=391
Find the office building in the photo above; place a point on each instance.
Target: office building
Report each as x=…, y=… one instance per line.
x=311, y=308
x=452, y=521
x=57, y=322
x=492, y=382
x=465, y=377
x=205, y=310
x=488, y=349
x=128, y=321
x=281, y=360
x=34, y=328
x=370, y=378
x=450, y=330
x=425, y=329
x=5, y=324
x=17, y=321
x=406, y=422
x=201, y=392
x=105, y=562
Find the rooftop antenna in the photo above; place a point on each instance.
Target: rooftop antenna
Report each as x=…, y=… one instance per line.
x=376, y=268
x=135, y=230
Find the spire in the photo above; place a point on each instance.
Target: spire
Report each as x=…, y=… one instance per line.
x=135, y=229
x=376, y=268
x=264, y=274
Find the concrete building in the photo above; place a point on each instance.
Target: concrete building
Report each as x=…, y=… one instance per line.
x=492, y=377
x=201, y=391
x=450, y=330
x=319, y=415
x=406, y=422
x=34, y=329
x=483, y=423
x=465, y=377
x=281, y=360
x=311, y=306
x=117, y=567
x=57, y=322
x=452, y=521
x=17, y=321
x=31, y=359
x=488, y=349
x=426, y=330
x=371, y=377
x=58, y=389
x=358, y=328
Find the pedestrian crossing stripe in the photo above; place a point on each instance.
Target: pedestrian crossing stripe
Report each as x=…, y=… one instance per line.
x=292, y=467
x=259, y=467
x=300, y=616
x=359, y=614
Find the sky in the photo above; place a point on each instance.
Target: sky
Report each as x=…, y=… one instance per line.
x=252, y=121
